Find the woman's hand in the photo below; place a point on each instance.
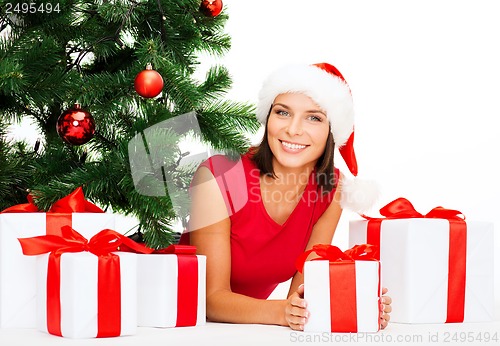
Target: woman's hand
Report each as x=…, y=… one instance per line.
x=385, y=309
x=296, y=313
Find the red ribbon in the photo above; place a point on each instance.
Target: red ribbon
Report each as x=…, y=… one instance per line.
x=343, y=309
x=363, y=252
x=401, y=208
x=29, y=207
x=108, y=286
x=187, y=283
x=59, y=214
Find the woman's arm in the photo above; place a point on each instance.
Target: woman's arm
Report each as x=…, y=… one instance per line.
x=210, y=233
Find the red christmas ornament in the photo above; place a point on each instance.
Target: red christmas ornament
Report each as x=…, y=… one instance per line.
x=211, y=8
x=148, y=83
x=75, y=126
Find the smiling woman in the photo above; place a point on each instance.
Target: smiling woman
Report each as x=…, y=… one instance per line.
x=297, y=132
x=297, y=135
x=278, y=200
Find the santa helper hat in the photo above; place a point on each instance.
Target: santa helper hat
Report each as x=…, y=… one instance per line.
x=326, y=86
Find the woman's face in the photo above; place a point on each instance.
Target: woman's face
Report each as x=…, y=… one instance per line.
x=297, y=131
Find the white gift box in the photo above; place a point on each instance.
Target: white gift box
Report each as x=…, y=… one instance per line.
x=317, y=296
x=414, y=259
x=18, y=272
x=157, y=280
x=79, y=294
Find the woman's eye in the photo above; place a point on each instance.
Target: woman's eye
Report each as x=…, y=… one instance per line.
x=315, y=118
x=282, y=113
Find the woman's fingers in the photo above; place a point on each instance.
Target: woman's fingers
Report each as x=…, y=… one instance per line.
x=384, y=321
x=386, y=300
x=296, y=313
x=297, y=322
x=385, y=305
x=385, y=308
x=296, y=301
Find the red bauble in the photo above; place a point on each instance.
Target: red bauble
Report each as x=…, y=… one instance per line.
x=76, y=126
x=148, y=83
x=211, y=8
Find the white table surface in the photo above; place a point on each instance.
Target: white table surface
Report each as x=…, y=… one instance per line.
x=258, y=335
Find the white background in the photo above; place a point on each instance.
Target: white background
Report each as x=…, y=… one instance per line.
x=425, y=77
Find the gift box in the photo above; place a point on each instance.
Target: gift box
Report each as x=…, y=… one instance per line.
x=437, y=267
x=18, y=272
x=85, y=289
x=80, y=297
x=171, y=288
x=342, y=290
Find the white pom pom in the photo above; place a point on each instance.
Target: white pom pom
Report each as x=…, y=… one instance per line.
x=358, y=195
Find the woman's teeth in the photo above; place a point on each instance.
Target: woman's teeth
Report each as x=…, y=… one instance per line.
x=293, y=146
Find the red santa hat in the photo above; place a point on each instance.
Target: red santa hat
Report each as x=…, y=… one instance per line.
x=326, y=86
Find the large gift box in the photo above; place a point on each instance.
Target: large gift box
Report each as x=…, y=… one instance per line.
x=437, y=267
x=17, y=272
x=171, y=288
x=85, y=289
x=342, y=289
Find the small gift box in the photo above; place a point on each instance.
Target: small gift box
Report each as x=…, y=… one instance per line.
x=342, y=289
x=437, y=267
x=171, y=288
x=17, y=272
x=85, y=294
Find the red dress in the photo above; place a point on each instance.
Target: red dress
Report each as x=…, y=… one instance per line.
x=263, y=252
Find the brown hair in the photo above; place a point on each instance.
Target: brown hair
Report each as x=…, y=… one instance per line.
x=262, y=156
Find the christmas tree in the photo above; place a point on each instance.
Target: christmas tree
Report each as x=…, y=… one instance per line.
x=89, y=52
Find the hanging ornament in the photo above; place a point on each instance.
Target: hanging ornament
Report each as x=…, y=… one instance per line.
x=148, y=83
x=76, y=126
x=211, y=8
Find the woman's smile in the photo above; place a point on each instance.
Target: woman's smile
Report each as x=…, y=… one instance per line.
x=293, y=148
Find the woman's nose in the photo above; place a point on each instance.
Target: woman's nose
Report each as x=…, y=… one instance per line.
x=295, y=126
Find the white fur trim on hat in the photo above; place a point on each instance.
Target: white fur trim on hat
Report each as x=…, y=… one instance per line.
x=358, y=195
x=328, y=91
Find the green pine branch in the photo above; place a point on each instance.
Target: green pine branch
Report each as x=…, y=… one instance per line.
x=90, y=53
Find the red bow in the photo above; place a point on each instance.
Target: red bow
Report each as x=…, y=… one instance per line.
x=101, y=244
x=60, y=214
x=75, y=202
x=401, y=208
x=364, y=252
